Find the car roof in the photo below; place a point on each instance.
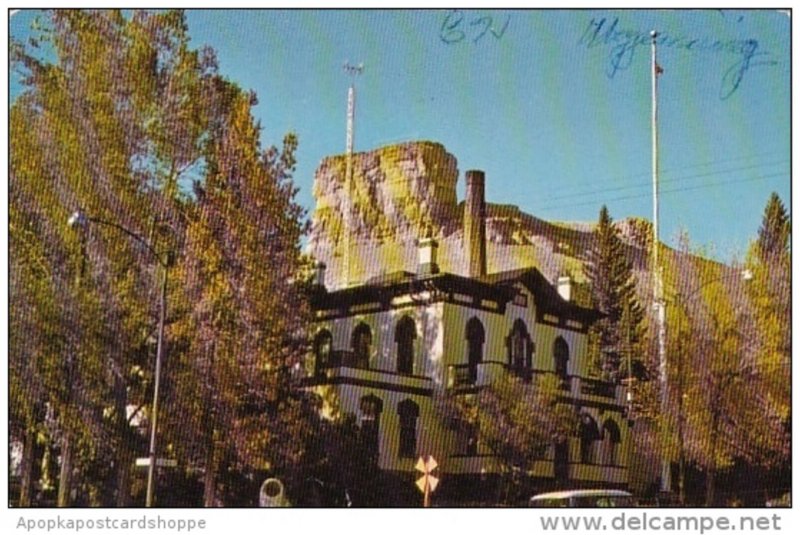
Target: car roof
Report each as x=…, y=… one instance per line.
x=564, y=494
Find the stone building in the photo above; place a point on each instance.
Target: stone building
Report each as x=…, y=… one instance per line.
x=386, y=345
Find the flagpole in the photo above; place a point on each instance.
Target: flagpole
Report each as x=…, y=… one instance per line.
x=658, y=283
x=352, y=71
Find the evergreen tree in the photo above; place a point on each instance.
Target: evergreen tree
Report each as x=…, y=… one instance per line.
x=616, y=338
x=773, y=236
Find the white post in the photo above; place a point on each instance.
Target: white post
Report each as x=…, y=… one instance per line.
x=658, y=283
x=351, y=98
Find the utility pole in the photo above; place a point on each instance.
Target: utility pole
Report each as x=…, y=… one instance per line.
x=658, y=283
x=151, y=468
x=352, y=71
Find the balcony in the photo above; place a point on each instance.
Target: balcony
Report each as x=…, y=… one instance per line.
x=596, y=387
x=598, y=473
x=343, y=370
x=345, y=358
x=461, y=378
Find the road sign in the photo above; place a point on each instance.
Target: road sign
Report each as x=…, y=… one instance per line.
x=428, y=482
x=160, y=463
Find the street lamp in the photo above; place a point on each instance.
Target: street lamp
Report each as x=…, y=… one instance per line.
x=81, y=220
x=744, y=275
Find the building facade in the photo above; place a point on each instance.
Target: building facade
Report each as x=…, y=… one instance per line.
x=387, y=348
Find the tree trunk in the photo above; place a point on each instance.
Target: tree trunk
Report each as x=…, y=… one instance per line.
x=711, y=486
x=123, y=479
x=28, y=454
x=124, y=458
x=64, y=478
x=711, y=473
x=210, y=478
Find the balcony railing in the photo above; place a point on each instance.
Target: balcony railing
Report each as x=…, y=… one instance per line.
x=463, y=377
x=370, y=377
x=596, y=387
x=596, y=473
x=347, y=358
x=460, y=376
x=466, y=378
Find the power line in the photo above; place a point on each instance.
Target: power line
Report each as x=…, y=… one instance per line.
x=646, y=174
x=674, y=190
x=672, y=180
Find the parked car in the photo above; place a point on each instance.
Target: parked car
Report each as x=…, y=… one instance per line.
x=584, y=498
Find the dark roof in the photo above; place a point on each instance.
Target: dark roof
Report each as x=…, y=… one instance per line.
x=402, y=282
x=495, y=285
x=544, y=293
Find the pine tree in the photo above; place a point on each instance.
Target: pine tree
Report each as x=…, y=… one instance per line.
x=773, y=236
x=614, y=339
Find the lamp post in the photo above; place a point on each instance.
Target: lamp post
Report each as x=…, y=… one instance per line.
x=684, y=300
x=81, y=220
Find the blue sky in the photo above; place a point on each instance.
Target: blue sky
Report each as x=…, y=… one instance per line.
x=553, y=105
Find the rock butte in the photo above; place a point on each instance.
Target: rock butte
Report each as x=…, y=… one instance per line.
x=404, y=192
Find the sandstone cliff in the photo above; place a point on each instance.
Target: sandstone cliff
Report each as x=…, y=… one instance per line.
x=400, y=193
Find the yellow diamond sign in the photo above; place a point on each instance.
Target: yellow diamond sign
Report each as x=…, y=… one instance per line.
x=427, y=483
x=426, y=465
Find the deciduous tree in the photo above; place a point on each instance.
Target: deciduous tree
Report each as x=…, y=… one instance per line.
x=245, y=327
x=113, y=120
x=769, y=260
x=515, y=420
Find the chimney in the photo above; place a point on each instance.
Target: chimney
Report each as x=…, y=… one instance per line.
x=564, y=287
x=319, y=274
x=427, y=248
x=475, y=225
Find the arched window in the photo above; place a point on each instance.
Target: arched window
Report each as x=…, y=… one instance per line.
x=475, y=339
x=520, y=348
x=362, y=342
x=408, y=412
x=589, y=434
x=371, y=409
x=561, y=357
x=323, y=344
x=404, y=335
x=611, y=441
